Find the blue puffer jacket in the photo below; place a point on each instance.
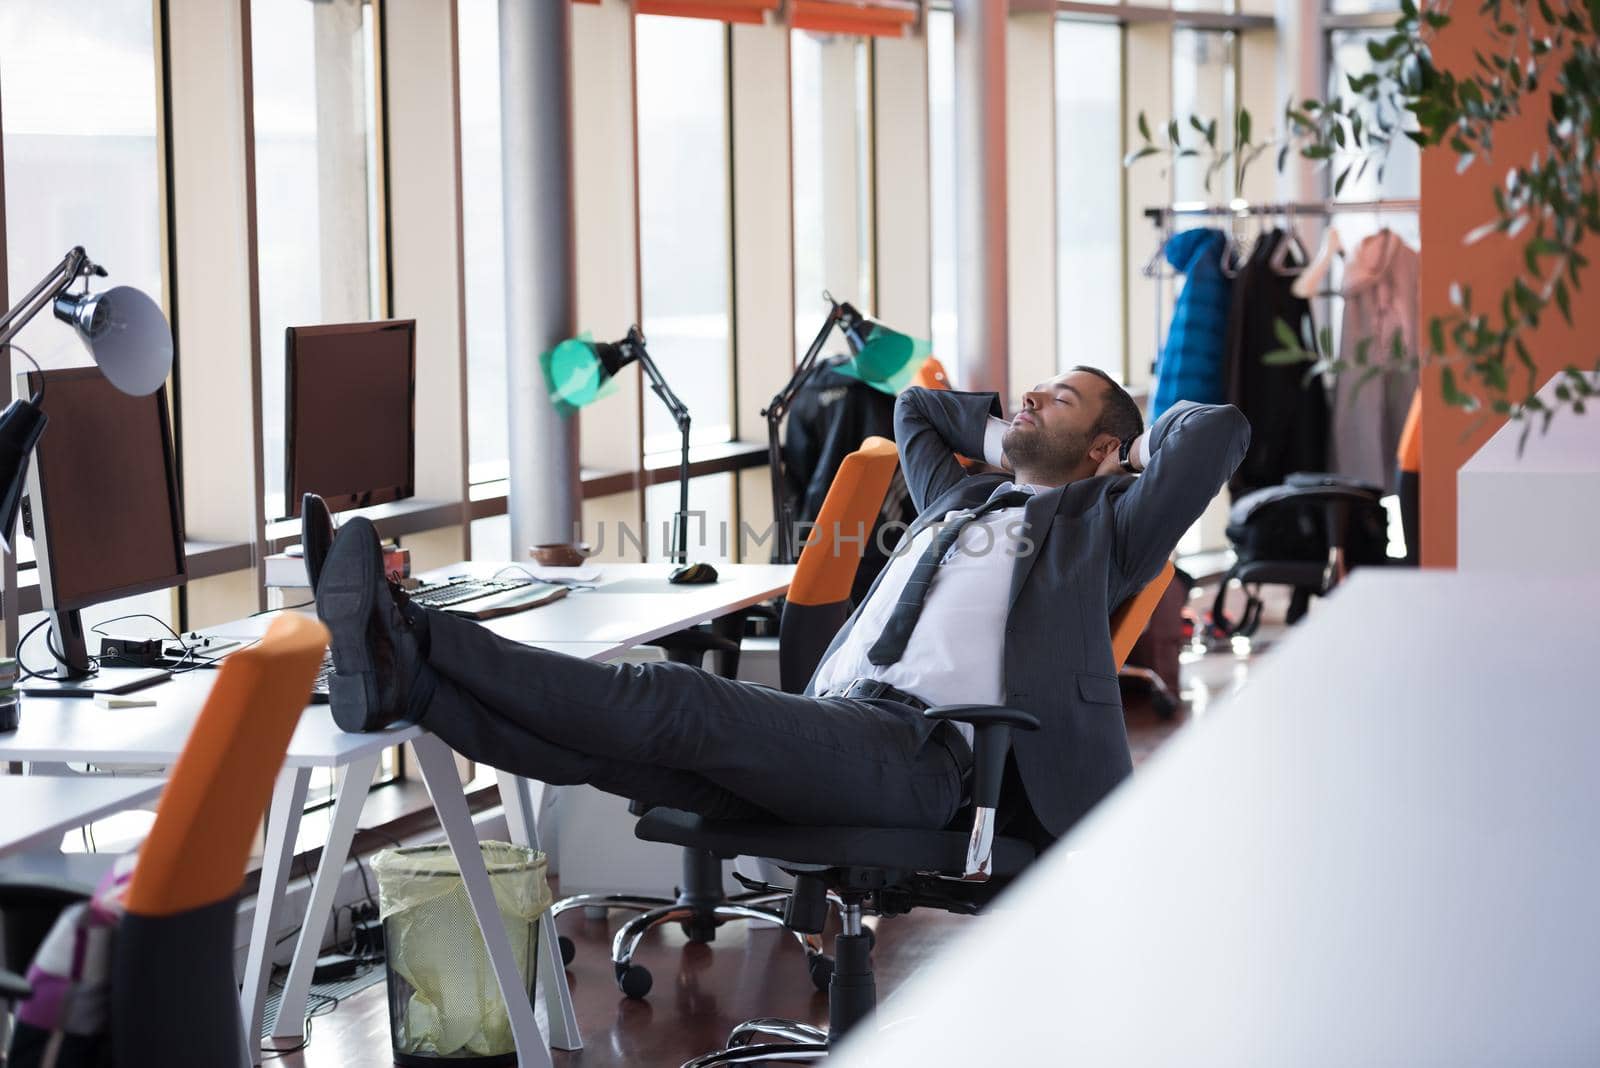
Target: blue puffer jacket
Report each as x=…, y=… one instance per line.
x=1192, y=362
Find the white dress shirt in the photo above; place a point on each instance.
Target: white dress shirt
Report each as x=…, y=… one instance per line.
x=955, y=652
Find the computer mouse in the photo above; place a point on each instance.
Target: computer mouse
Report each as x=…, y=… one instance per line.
x=692, y=574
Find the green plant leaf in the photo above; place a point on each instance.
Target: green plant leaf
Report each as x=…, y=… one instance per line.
x=1144, y=127
x=1244, y=125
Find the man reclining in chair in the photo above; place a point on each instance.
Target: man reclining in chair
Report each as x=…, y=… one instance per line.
x=1001, y=593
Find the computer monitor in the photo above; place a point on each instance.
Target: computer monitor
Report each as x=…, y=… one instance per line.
x=349, y=404
x=103, y=511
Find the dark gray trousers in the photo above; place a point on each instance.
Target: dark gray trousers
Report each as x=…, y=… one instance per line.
x=672, y=734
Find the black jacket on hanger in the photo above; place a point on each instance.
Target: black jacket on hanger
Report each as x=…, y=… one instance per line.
x=829, y=419
x=1288, y=414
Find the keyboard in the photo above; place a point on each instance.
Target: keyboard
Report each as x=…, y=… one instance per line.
x=319, y=688
x=531, y=595
x=460, y=590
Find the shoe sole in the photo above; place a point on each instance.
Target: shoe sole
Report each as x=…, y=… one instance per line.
x=346, y=610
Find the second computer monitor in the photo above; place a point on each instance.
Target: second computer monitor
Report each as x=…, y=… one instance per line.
x=349, y=402
x=103, y=491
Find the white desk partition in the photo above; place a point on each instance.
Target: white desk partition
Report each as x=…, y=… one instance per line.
x=1536, y=510
x=632, y=604
x=1381, y=851
x=36, y=810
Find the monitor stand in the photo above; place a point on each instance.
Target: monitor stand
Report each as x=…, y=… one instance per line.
x=77, y=677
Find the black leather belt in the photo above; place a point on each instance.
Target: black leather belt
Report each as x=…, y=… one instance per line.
x=873, y=690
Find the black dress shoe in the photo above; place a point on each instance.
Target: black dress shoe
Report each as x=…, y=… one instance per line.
x=316, y=535
x=377, y=666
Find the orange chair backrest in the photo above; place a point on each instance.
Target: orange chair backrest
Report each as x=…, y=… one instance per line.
x=1410, y=451
x=1133, y=615
x=219, y=788
x=931, y=375
x=833, y=549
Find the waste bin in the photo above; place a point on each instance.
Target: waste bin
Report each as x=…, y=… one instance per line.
x=444, y=1003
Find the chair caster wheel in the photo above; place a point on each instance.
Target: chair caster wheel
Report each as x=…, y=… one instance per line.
x=568, y=950
x=634, y=980
x=821, y=967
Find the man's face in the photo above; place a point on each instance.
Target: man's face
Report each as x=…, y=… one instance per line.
x=1053, y=430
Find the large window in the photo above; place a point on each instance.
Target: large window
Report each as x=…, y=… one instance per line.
x=483, y=239
x=1204, y=82
x=317, y=183
x=81, y=168
x=830, y=86
x=684, y=230
x=1089, y=183
x=942, y=181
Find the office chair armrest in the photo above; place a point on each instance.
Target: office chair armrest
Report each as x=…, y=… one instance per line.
x=992, y=725
x=983, y=715
x=13, y=988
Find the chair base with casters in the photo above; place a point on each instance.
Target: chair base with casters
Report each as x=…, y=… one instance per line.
x=884, y=871
x=700, y=907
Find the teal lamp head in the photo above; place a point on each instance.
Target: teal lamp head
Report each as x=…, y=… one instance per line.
x=884, y=359
x=580, y=370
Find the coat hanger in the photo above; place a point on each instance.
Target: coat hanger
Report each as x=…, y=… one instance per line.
x=1155, y=266
x=1233, y=254
x=1309, y=282
x=1290, y=245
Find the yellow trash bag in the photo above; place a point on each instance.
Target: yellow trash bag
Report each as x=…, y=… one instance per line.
x=443, y=999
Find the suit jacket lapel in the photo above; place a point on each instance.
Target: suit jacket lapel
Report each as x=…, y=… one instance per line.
x=1037, y=514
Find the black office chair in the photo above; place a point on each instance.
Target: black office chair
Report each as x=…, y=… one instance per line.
x=885, y=871
x=1307, y=533
x=817, y=605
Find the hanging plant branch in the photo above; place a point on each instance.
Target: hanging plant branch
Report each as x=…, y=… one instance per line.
x=1551, y=203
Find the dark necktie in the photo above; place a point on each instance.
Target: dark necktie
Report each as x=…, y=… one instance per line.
x=891, y=644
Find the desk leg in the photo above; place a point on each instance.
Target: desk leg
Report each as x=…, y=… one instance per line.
x=283, y=822
x=346, y=810
x=439, y=773
x=521, y=798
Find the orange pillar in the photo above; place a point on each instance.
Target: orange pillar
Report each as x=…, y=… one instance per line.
x=1452, y=205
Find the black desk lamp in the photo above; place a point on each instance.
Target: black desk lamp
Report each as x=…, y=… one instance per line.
x=883, y=358
x=578, y=372
x=124, y=331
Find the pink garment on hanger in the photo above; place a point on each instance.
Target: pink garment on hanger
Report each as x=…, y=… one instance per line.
x=1380, y=301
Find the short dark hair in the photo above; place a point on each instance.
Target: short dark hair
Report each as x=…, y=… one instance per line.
x=1119, y=415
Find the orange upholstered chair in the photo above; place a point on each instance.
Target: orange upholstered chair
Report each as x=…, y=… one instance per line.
x=174, y=1000
x=819, y=594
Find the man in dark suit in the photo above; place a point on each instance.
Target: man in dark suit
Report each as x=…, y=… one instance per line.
x=1001, y=593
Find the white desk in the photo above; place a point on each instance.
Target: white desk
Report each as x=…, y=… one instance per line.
x=36, y=810
x=1533, y=508
x=1381, y=851
x=633, y=604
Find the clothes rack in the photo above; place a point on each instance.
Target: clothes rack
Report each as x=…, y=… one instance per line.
x=1242, y=208
x=1163, y=215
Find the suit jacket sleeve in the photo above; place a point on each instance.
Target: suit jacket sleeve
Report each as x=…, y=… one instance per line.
x=932, y=426
x=1194, y=449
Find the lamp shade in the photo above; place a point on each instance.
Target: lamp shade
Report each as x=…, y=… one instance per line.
x=125, y=332
x=580, y=370
x=884, y=359
x=20, y=426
